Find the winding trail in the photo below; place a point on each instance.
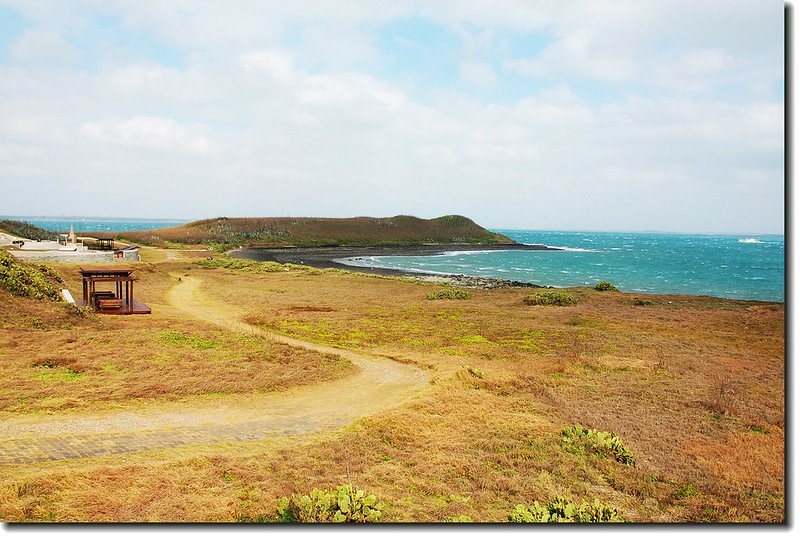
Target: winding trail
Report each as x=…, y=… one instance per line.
x=380, y=384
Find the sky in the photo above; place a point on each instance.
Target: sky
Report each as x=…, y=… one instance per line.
x=610, y=115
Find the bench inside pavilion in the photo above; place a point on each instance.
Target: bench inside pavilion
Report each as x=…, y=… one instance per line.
x=119, y=300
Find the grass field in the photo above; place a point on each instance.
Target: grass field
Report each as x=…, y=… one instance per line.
x=693, y=387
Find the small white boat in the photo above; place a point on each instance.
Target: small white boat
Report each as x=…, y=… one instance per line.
x=749, y=240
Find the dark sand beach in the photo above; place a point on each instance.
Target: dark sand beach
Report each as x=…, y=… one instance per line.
x=326, y=257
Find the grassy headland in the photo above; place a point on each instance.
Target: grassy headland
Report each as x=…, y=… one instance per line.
x=316, y=232
x=27, y=231
x=691, y=387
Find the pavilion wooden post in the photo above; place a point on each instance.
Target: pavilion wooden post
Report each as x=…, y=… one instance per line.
x=117, y=275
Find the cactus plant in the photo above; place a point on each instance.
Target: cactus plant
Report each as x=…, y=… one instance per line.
x=577, y=439
x=563, y=510
x=343, y=504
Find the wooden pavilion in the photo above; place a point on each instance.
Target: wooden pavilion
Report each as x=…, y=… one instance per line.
x=119, y=301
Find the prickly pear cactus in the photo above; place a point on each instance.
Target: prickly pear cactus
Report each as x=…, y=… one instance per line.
x=577, y=439
x=341, y=505
x=563, y=510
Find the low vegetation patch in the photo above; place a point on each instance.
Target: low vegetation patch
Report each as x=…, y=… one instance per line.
x=551, y=298
x=449, y=293
x=27, y=231
x=28, y=280
x=250, y=266
x=458, y=519
x=642, y=302
x=684, y=491
x=577, y=439
x=563, y=510
x=605, y=286
x=52, y=362
x=176, y=338
x=474, y=372
x=341, y=505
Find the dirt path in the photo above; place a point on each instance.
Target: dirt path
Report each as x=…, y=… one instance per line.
x=380, y=384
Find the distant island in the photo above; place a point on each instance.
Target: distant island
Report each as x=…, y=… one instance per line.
x=272, y=232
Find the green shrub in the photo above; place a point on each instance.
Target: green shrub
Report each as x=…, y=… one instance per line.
x=27, y=280
x=555, y=298
x=449, y=293
x=685, y=491
x=605, y=286
x=342, y=505
x=642, y=302
x=458, y=519
x=80, y=311
x=474, y=372
x=563, y=510
x=578, y=439
x=236, y=264
x=217, y=247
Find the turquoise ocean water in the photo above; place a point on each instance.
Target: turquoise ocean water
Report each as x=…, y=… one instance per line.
x=732, y=266
x=96, y=224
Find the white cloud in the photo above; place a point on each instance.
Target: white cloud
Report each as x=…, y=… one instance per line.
x=705, y=61
x=249, y=126
x=151, y=133
x=43, y=46
x=279, y=65
x=576, y=55
x=480, y=75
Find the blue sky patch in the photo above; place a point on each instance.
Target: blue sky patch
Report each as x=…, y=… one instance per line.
x=12, y=26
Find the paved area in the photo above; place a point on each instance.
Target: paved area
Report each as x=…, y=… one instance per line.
x=62, y=447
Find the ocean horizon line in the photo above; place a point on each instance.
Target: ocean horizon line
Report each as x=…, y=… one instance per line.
x=499, y=229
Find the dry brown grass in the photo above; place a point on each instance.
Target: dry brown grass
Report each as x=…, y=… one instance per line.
x=58, y=360
x=753, y=458
x=486, y=435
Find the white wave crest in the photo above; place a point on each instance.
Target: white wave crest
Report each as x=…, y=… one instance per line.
x=749, y=240
x=466, y=252
x=575, y=249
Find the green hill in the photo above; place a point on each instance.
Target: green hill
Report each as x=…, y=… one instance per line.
x=27, y=231
x=306, y=232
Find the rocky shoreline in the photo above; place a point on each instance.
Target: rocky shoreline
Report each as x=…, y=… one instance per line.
x=326, y=257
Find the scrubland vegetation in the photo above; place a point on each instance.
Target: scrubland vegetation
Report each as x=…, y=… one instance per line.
x=34, y=280
x=551, y=298
x=226, y=232
x=605, y=286
x=448, y=293
x=602, y=411
x=27, y=231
